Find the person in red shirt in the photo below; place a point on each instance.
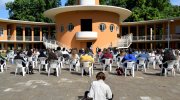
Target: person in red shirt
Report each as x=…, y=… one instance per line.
x=107, y=55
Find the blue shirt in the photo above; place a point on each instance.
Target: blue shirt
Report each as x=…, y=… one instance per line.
x=130, y=57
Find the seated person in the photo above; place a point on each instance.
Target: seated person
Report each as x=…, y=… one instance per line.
x=128, y=57
x=43, y=55
x=30, y=54
x=52, y=56
x=86, y=58
x=74, y=57
x=59, y=52
x=19, y=57
x=99, y=90
x=2, y=59
x=65, y=54
x=168, y=55
x=107, y=55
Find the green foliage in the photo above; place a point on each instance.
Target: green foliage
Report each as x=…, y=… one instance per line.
x=146, y=9
x=30, y=10
x=70, y=2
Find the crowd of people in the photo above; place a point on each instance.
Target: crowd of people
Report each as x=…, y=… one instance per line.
x=76, y=57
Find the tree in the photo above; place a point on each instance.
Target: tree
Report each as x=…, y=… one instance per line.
x=30, y=10
x=70, y=2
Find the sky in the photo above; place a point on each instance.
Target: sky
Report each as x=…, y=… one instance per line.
x=4, y=12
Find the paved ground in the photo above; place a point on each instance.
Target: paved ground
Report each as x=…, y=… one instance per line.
x=71, y=86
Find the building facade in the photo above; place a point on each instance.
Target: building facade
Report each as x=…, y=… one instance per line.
x=89, y=24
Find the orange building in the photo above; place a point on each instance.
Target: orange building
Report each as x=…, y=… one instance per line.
x=86, y=25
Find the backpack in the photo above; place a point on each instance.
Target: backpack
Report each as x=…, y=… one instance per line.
x=119, y=71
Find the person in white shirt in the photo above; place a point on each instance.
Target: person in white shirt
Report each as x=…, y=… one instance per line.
x=99, y=90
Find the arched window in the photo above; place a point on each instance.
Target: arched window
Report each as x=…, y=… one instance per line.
x=70, y=27
x=102, y=27
x=111, y=27
x=62, y=28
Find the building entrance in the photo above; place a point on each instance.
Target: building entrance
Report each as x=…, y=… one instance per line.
x=88, y=45
x=86, y=24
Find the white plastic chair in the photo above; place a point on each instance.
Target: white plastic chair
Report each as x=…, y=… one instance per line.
x=107, y=63
x=158, y=59
x=170, y=67
x=130, y=66
x=142, y=62
x=177, y=65
x=35, y=60
x=19, y=66
x=89, y=66
x=3, y=66
x=76, y=63
x=43, y=63
x=54, y=65
x=61, y=61
x=119, y=63
x=30, y=61
x=152, y=61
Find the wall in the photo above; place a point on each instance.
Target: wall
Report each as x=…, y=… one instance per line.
x=98, y=17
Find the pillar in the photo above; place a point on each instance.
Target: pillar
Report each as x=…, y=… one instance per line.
x=129, y=29
x=40, y=33
x=14, y=32
x=137, y=32
x=145, y=31
x=151, y=37
x=24, y=34
x=155, y=32
x=32, y=33
x=49, y=33
x=5, y=46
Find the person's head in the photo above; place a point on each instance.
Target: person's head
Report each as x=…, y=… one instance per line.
x=99, y=50
x=100, y=76
x=87, y=51
x=64, y=49
x=130, y=51
x=122, y=53
x=58, y=48
x=108, y=50
x=74, y=51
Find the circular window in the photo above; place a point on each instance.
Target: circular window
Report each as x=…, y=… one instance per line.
x=111, y=27
x=102, y=27
x=70, y=27
x=62, y=28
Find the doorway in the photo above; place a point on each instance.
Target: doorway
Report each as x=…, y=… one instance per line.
x=86, y=24
x=88, y=45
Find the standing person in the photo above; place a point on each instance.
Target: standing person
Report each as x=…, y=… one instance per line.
x=99, y=90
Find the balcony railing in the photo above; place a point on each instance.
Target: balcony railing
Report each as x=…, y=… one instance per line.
x=26, y=38
x=156, y=38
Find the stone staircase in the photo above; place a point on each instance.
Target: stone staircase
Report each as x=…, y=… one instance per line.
x=125, y=41
x=53, y=44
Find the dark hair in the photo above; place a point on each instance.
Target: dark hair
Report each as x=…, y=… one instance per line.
x=100, y=76
x=63, y=49
x=58, y=48
x=130, y=51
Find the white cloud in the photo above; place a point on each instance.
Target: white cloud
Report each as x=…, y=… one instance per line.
x=2, y=3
